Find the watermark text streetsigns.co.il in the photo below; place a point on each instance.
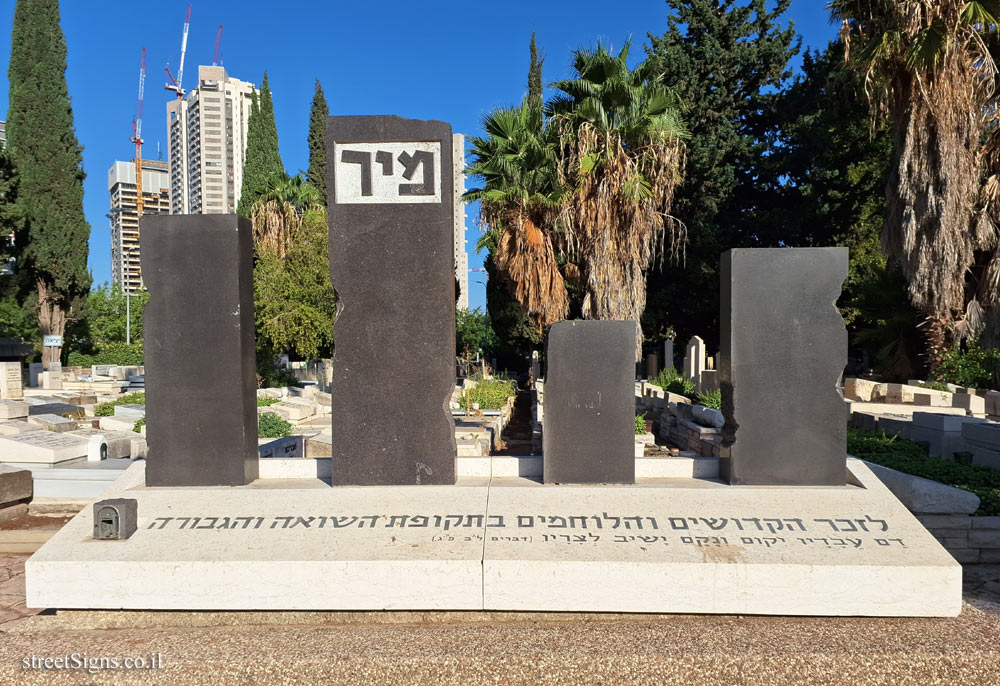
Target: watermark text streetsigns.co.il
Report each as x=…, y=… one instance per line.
x=92, y=664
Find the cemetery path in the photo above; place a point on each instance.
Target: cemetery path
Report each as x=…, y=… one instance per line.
x=516, y=434
x=507, y=648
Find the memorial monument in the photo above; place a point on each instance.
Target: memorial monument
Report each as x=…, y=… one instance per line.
x=391, y=236
x=794, y=527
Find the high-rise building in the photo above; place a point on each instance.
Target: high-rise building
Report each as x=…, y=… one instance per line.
x=207, y=140
x=126, y=271
x=461, y=256
x=3, y=134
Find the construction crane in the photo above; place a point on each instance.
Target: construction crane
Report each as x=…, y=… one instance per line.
x=218, y=42
x=172, y=83
x=137, y=137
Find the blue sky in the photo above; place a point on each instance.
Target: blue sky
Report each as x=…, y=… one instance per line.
x=447, y=60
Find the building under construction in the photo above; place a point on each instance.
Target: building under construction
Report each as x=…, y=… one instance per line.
x=125, y=269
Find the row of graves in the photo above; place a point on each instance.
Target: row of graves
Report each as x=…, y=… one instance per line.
x=786, y=524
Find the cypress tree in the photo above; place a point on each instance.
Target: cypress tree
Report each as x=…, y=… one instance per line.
x=535, y=76
x=316, y=175
x=54, y=233
x=262, y=161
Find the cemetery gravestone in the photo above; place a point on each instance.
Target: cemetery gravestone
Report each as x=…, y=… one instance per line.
x=11, y=385
x=589, y=403
x=694, y=360
x=12, y=409
x=784, y=347
x=200, y=300
x=391, y=262
x=34, y=370
x=43, y=447
x=668, y=353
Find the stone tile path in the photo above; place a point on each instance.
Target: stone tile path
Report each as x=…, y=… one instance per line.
x=12, y=589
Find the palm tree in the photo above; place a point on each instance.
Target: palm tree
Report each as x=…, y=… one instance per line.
x=621, y=155
x=930, y=71
x=519, y=199
x=277, y=213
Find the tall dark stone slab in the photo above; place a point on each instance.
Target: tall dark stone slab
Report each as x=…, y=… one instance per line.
x=199, y=350
x=588, y=427
x=392, y=265
x=784, y=347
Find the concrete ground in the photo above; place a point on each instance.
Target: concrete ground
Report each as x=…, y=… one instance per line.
x=467, y=649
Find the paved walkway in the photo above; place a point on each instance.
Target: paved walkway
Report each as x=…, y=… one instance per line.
x=12, y=589
x=469, y=649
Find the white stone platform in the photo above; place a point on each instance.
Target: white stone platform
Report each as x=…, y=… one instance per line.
x=494, y=466
x=663, y=545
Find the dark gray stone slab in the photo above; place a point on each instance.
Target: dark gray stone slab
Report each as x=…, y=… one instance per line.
x=588, y=435
x=784, y=347
x=391, y=262
x=199, y=350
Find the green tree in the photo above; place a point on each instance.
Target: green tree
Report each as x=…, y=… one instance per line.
x=294, y=302
x=100, y=335
x=827, y=173
x=930, y=73
x=106, y=315
x=473, y=333
x=621, y=156
x=53, y=239
x=726, y=61
x=316, y=174
x=516, y=333
x=263, y=160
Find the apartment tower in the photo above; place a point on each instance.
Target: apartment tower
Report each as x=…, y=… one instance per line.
x=207, y=139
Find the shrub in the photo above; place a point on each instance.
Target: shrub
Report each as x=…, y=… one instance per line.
x=936, y=386
x=671, y=380
x=138, y=425
x=110, y=353
x=640, y=424
x=973, y=367
x=267, y=402
x=906, y=456
x=107, y=409
x=491, y=394
x=711, y=399
x=270, y=425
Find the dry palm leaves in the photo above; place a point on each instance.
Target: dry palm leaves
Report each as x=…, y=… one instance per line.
x=929, y=70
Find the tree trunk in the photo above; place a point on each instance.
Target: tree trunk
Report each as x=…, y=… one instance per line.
x=932, y=225
x=51, y=320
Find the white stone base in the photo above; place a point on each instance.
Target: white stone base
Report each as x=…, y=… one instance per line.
x=663, y=545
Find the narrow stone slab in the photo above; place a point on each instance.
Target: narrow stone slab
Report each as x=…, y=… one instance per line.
x=130, y=411
x=923, y=496
x=981, y=433
x=13, y=409
x=52, y=422
x=391, y=262
x=43, y=447
x=589, y=431
x=16, y=427
x=784, y=347
x=15, y=485
x=199, y=350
